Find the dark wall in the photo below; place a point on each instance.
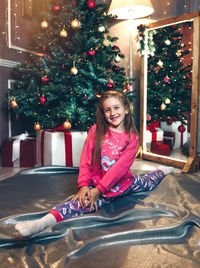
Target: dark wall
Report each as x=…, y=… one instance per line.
x=14, y=39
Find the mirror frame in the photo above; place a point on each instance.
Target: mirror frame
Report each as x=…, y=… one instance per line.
x=192, y=162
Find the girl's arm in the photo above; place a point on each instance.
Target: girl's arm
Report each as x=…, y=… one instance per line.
x=121, y=167
x=84, y=177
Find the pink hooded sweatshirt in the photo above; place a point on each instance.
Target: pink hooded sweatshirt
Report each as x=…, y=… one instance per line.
x=115, y=175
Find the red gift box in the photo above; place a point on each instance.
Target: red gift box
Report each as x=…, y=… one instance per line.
x=27, y=153
x=158, y=147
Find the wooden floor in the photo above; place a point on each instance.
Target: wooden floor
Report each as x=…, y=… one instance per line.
x=143, y=165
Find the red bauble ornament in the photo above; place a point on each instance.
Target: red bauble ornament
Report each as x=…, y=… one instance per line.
x=148, y=117
x=45, y=79
x=129, y=88
x=115, y=48
x=91, y=52
x=116, y=68
x=169, y=122
x=67, y=125
x=166, y=79
x=42, y=100
x=181, y=128
x=56, y=8
x=91, y=4
x=85, y=97
x=110, y=85
x=16, y=117
x=63, y=67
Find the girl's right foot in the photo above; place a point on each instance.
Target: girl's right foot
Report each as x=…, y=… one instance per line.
x=29, y=228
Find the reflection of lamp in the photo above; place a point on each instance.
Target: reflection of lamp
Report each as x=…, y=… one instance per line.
x=129, y=10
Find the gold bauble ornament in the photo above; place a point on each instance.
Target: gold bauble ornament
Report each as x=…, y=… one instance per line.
x=13, y=104
x=167, y=42
x=75, y=24
x=101, y=29
x=160, y=63
x=44, y=24
x=37, y=126
x=163, y=106
x=74, y=70
x=67, y=124
x=131, y=108
x=178, y=53
x=167, y=101
x=106, y=42
x=117, y=58
x=63, y=33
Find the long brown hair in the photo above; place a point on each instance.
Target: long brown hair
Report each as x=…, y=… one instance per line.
x=102, y=125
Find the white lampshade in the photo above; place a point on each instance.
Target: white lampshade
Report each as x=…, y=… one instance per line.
x=130, y=9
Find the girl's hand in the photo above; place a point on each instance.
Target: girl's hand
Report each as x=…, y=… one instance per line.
x=94, y=194
x=82, y=195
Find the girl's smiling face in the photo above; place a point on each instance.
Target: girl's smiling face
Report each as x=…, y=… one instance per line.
x=114, y=112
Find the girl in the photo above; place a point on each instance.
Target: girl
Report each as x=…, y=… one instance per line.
x=104, y=171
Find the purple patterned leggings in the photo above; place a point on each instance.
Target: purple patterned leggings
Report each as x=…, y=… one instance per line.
x=141, y=183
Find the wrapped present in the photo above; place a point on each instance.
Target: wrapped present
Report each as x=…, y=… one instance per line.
x=180, y=130
x=158, y=147
x=169, y=138
x=59, y=147
x=19, y=151
x=154, y=132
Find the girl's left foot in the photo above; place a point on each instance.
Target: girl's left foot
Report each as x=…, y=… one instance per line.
x=166, y=169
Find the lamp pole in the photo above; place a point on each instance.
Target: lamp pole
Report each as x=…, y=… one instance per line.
x=130, y=10
x=131, y=22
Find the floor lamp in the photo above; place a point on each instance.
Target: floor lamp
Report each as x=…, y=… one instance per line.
x=130, y=10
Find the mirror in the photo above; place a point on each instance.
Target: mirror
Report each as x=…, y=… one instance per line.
x=170, y=92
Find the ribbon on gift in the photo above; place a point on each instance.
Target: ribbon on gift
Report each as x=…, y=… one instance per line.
x=68, y=146
x=155, y=125
x=16, y=148
x=153, y=132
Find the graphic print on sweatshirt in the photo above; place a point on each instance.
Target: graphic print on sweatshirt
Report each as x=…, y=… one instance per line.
x=110, y=149
x=106, y=162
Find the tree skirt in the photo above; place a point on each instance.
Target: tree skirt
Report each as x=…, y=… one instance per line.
x=149, y=229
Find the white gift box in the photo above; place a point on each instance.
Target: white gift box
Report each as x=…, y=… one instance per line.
x=154, y=136
x=180, y=137
x=62, y=148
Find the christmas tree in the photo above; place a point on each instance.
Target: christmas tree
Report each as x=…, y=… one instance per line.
x=75, y=60
x=169, y=74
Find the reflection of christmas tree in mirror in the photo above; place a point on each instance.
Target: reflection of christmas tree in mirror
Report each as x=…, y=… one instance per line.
x=169, y=74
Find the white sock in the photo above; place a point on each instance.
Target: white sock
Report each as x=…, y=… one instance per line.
x=28, y=228
x=166, y=169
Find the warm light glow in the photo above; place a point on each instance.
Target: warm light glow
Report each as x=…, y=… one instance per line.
x=130, y=9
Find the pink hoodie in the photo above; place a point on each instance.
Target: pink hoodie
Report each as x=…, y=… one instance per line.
x=115, y=174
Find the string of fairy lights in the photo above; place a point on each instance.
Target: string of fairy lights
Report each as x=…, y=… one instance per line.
x=15, y=10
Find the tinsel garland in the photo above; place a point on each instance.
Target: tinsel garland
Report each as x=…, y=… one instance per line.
x=145, y=41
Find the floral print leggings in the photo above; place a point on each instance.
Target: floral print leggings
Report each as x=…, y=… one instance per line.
x=141, y=183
